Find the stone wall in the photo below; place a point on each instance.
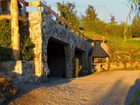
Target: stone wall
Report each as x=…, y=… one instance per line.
x=116, y=66
x=52, y=29
x=129, y=66
x=8, y=70
x=42, y=28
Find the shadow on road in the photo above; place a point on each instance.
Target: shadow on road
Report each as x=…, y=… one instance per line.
x=132, y=94
x=113, y=96
x=25, y=88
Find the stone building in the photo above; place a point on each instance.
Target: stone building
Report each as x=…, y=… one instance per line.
x=57, y=46
x=100, y=54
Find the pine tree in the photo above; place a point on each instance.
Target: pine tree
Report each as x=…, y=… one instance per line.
x=67, y=11
x=90, y=18
x=113, y=20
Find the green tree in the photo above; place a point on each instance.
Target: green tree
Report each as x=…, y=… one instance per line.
x=67, y=10
x=125, y=27
x=90, y=14
x=113, y=20
x=26, y=45
x=90, y=18
x=135, y=6
x=5, y=40
x=136, y=26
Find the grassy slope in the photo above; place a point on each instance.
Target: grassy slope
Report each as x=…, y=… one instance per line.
x=118, y=43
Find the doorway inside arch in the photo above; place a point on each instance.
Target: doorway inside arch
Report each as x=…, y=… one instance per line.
x=56, y=58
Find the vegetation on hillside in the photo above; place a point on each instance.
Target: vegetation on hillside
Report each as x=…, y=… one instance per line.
x=121, y=37
x=67, y=11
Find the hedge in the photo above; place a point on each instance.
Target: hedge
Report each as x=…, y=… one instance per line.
x=26, y=46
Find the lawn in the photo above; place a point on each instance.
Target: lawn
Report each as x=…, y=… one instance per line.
x=118, y=43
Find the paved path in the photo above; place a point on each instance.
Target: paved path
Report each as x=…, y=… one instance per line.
x=106, y=88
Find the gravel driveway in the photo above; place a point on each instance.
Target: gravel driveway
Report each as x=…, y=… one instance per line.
x=105, y=88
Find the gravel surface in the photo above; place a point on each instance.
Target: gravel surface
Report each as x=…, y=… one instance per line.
x=105, y=88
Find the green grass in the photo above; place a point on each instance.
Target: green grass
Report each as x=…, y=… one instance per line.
x=118, y=43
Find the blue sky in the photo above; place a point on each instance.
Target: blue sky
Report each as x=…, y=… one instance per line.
x=104, y=8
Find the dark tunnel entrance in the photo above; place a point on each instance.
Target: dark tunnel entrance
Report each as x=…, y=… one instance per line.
x=56, y=58
x=78, y=63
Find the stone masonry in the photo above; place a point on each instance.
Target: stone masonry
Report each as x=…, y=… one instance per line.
x=35, y=20
x=52, y=29
x=42, y=28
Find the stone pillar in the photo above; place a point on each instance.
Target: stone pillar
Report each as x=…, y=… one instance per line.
x=70, y=52
x=15, y=37
x=87, y=62
x=35, y=21
x=45, y=40
x=84, y=61
x=18, y=67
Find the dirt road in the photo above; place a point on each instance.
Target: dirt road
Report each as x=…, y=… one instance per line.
x=106, y=88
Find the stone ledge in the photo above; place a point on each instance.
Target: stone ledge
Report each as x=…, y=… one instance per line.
x=26, y=68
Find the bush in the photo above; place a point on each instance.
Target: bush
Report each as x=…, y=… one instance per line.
x=5, y=40
x=26, y=46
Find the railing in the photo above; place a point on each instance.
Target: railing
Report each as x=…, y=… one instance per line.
x=5, y=8
x=64, y=22
x=7, y=15
x=23, y=11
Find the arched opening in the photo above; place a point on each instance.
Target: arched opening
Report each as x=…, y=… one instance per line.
x=56, y=58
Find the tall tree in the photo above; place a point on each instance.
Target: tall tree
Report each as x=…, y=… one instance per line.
x=113, y=20
x=125, y=31
x=135, y=6
x=136, y=26
x=90, y=18
x=67, y=10
x=90, y=14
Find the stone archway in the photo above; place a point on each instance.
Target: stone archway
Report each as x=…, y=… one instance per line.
x=56, y=58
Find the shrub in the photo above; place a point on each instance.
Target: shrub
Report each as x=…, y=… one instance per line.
x=5, y=40
x=26, y=46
